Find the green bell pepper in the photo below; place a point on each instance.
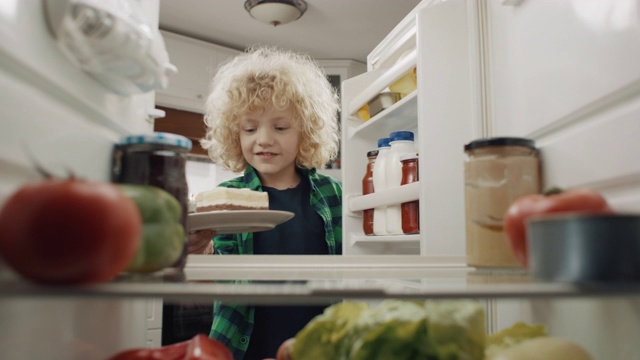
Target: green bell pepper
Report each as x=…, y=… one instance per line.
x=163, y=235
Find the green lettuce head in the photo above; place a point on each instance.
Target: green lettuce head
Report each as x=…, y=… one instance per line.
x=395, y=329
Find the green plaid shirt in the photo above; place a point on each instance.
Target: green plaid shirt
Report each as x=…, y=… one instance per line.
x=232, y=324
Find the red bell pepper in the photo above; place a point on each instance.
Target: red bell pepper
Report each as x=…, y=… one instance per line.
x=200, y=347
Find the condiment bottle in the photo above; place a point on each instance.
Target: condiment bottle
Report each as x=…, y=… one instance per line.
x=368, y=188
x=157, y=159
x=401, y=143
x=410, y=210
x=380, y=184
x=496, y=171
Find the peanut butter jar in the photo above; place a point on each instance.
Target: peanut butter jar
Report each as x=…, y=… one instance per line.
x=496, y=172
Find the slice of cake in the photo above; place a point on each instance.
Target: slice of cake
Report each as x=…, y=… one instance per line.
x=222, y=198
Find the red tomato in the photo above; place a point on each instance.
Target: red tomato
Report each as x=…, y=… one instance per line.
x=577, y=200
x=69, y=231
x=202, y=347
x=199, y=347
x=175, y=351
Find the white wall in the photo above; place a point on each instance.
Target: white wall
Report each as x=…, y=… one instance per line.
x=203, y=176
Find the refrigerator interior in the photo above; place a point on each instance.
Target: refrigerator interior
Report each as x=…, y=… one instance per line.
x=67, y=119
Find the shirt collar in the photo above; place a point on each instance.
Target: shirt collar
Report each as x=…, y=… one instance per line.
x=252, y=179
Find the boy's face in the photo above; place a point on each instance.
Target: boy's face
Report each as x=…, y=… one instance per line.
x=270, y=142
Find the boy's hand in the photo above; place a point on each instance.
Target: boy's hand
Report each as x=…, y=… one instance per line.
x=201, y=242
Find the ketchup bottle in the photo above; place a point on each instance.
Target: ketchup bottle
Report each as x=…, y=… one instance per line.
x=410, y=210
x=367, y=188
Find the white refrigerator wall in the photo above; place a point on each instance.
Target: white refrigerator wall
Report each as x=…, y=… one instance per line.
x=571, y=82
x=66, y=120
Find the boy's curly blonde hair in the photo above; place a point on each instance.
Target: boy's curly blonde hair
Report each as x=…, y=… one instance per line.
x=264, y=76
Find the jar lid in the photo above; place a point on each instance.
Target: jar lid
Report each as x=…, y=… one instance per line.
x=401, y=135
x=157, y=138
x=408, y=157
x=384, y=142
x=500, y=141
x=372, y=153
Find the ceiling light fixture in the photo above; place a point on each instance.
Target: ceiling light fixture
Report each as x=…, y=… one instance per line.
x=275, y=12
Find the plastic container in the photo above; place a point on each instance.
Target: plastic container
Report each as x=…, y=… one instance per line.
x=496, y=171
x=380, y=184
x=401, y=143
x=382, y=101
x=583, y=248
x=367, y=188
x=410, y=210
x=157, y=159
x=406, y=84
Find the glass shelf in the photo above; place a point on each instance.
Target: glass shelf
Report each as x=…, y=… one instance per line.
x=321, y=280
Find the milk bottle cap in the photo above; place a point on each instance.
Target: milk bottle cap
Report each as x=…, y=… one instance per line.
x=384, y=142
x=401, y=135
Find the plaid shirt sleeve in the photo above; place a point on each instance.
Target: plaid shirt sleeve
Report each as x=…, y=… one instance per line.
x=326, y=199
x=232, y=326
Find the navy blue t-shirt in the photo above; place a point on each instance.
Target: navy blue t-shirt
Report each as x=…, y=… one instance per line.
x=302, y=235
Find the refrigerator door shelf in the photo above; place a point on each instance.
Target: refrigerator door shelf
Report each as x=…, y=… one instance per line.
x=400, y=116
x=394, y=196
x=385, y=78
x=112, y=42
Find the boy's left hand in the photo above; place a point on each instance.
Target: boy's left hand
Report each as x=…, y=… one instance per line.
x=200, y=242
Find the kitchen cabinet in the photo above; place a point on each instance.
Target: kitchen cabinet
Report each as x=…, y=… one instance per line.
x=154, y=322
x=186, y=123
x=197, y=62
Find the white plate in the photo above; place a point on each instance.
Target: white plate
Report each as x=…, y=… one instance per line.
x=237, y=221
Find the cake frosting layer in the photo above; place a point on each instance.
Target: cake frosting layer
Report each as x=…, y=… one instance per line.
x=222, y=198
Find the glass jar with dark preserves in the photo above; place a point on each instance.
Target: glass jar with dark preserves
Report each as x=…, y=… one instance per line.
x=157, y=159
x=367, y=188
x=410, y=210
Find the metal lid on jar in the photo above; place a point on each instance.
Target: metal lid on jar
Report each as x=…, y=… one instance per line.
x=372, y=153
x=401, y=135
x=157, y=138
x=384, y=142
x=500, y=141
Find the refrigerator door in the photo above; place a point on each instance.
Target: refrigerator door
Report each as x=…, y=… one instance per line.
x=440, y=41
x=56, y=113
x=112, y=41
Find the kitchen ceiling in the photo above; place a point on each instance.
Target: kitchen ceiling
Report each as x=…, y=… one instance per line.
x=330, y=29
